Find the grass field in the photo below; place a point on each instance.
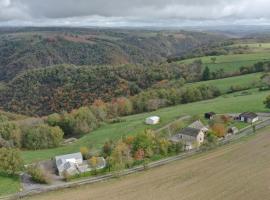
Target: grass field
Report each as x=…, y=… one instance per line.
x=236, y=171
x=249, y=80
x=232, y=63
x=135, y=123
x=8, y=185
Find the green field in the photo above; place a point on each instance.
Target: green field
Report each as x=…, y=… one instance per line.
x=249, y=80
x=232, y=63
x=8, y=185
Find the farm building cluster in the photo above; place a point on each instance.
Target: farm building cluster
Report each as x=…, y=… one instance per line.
x=193, y=136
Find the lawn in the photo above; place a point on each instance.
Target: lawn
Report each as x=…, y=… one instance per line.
x=9, y=185
x=231, y=63
x=249, y=80
x=135, y=123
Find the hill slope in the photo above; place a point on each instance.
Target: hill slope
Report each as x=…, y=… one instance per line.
x=33, y=48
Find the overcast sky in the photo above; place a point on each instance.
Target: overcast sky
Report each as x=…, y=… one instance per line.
x=133, y=12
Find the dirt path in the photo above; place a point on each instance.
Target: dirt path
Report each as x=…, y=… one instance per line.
x=239, y=171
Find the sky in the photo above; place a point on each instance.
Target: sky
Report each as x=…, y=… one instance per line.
x=117, y=13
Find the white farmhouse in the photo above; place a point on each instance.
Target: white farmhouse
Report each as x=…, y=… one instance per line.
x=69, y=163
x=152, y=120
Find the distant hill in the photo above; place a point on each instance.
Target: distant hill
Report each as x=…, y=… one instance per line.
x=30, y=48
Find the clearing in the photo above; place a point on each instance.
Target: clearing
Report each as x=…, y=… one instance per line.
x=236, y=171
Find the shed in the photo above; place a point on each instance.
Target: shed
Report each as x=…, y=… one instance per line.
x=233, y=130
x=152, y=120
x=209, y=115
x=248, y=117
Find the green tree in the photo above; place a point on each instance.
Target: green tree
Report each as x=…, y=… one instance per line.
x=84, y=120
x=10, y=161
x=206, y=74
x=42, y=136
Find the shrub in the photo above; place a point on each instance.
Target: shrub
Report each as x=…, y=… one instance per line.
x=10, y=161
x=38, y=174
x=267, y=101
x=85, y=152
x=11, y=132
x=42, y=136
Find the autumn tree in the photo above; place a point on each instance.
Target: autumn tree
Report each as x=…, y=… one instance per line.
x=219, y=129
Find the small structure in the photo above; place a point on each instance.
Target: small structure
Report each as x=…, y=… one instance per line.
x=152, y=120
x=248, y=117
x=199, y=125
x=69, y=163
x=190, y=137
x=233, y=130
x=209, y=115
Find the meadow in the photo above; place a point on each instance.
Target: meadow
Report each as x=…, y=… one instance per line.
x=231, y=63
x=224, y=85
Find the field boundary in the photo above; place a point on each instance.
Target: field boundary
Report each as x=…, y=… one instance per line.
x=242, y=133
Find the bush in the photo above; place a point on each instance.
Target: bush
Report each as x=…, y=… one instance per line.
x=85, y=152
x=11, y=133
x=10, y=161
x=42, y=136
x=38, y=174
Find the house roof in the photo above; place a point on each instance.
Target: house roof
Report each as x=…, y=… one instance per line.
x=249, y=115
x=153, y=118
x=193, y=132
x=197, y=125
x=62, y=162
x=69, y=156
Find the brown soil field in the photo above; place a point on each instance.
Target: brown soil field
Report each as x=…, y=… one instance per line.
x=239, y=171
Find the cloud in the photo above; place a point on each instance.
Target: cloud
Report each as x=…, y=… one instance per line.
x=131, y=12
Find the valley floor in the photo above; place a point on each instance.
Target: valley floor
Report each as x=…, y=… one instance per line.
x=238, y=171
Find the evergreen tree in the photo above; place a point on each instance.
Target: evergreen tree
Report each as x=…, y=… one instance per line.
x=206, y=74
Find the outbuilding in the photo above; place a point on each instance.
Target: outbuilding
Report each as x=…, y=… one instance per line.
x=248, y=117
x=209, y=115
x=152, y=120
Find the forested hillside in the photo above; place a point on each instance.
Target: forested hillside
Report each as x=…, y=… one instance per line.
x=65, y=87
x=31, y=48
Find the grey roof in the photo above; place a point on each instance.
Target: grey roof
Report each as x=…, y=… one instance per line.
x=61, y=161
x=249, y=115
x=197, y=125
x=193, y=132
x=69, y=156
